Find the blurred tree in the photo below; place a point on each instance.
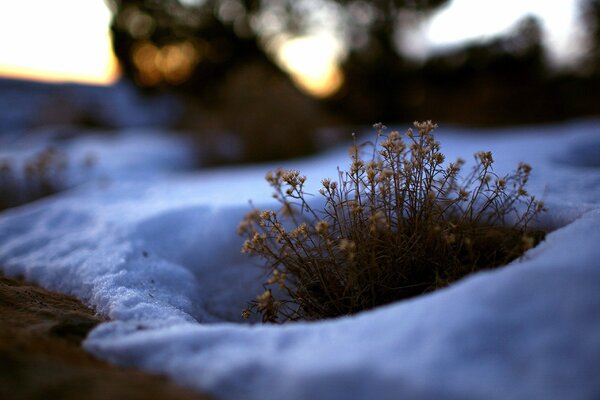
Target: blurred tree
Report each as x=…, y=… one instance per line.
x=167, y=42
x=202, y=47
x=590, y=13
x=222, y=55
x=213, y=52
x=375, y=69
x=504, y=78
x=172, y=41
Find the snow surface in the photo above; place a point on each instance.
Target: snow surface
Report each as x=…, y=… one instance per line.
x=100, y=154
x=160, y=258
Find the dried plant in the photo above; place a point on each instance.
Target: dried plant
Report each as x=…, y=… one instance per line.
x=42, y=175
x=396, y=225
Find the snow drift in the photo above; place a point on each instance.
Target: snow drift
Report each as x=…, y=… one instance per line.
x=160, y=258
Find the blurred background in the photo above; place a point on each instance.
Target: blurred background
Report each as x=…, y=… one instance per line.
x=253, y=80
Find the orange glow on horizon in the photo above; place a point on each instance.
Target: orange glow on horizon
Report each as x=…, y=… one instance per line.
x=108, y=76
x=57, y=41
x=312, y=62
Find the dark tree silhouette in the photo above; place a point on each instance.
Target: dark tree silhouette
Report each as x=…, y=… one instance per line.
x=501, y=80
x=221, y=53
x=375, y=68
x=220, y=34
x=590, y=13
x=213, y=52
x=152, y=39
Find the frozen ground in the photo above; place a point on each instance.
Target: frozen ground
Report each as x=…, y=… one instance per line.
x=159, y=256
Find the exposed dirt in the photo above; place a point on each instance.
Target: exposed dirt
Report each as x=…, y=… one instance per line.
x=41, y=356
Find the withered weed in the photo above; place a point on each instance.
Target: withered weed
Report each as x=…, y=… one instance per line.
x=41, y=175
x=395, y=225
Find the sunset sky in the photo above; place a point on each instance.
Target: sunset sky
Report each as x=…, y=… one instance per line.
x=57, y=40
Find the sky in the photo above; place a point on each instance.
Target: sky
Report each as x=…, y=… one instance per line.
x=56, y=40
x=68, y=40
x=477, y=19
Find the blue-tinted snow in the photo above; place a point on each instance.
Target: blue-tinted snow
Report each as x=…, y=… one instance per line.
x=161, y=259
x=26, y=104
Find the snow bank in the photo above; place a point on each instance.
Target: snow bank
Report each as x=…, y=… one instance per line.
x=161, y=259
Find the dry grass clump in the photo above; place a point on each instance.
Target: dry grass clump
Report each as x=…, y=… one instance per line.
x=40, y=176
x=396, y=225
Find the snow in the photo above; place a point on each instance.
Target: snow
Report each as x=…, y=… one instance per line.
x=158, y=255
x=93, y=155
x=27, y=104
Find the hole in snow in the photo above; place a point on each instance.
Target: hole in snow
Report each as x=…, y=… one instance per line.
x=202, y=240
